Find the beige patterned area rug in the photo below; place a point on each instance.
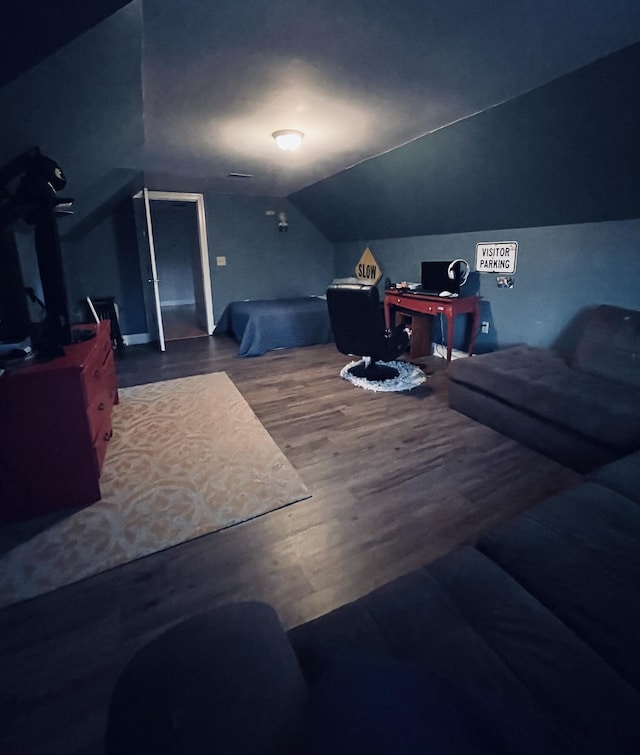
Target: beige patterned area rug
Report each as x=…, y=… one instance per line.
x=188, y=457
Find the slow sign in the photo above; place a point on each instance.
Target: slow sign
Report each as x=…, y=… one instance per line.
x=367, y=270
x=496, y=257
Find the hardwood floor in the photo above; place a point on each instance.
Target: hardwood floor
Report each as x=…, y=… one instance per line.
x=397, y=480
x=180, y=321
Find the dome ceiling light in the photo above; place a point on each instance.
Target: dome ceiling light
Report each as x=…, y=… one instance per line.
x=288, y=138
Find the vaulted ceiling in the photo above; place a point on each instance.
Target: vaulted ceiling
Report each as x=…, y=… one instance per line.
x=358, y=78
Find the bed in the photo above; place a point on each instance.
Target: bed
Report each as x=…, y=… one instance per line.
x=261, y=325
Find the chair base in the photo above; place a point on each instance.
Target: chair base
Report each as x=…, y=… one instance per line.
x=374, y=371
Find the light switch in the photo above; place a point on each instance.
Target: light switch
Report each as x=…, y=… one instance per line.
x=221, y=261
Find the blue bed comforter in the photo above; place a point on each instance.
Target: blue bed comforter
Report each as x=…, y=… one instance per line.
x=267, y=324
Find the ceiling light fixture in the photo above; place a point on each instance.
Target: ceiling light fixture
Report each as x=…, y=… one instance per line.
x=288, y=138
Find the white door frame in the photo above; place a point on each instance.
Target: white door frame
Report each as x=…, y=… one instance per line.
x=176, y=196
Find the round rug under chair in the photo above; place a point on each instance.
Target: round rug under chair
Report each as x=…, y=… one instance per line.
x=409, y=376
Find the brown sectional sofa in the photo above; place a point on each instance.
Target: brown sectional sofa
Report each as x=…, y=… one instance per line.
x=524, y=643
x=583, y=411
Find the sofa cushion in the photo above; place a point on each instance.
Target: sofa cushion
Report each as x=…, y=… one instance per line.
x=623, y=476
x=609, y=345
x=226, y=681
x=366, y=704
x=468, y=622
x=578, y=554
x=539, y=382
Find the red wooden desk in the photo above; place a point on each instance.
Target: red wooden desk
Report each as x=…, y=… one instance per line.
x=419, y=304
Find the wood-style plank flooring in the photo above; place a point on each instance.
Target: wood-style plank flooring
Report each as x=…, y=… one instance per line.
x=180, y=321
x=397, y=480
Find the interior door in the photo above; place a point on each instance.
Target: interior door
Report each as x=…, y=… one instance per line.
x=146, y=250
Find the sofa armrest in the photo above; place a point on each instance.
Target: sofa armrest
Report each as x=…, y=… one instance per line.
x=610, y=345
x=622, y=476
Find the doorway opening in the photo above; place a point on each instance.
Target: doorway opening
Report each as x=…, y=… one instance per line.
x=175, y=258
x=177, y=247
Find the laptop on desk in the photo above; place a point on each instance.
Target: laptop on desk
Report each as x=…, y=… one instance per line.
x=436, y=278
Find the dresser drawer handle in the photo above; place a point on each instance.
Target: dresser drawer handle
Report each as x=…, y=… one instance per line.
x=101, y=406
x=96, y=374
x=107, y=436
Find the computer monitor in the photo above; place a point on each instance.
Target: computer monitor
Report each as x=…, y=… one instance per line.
x=441, y=276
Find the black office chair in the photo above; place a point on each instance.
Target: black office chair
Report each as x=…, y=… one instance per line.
x=357, y=321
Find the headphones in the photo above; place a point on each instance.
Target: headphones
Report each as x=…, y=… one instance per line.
x=464, y=272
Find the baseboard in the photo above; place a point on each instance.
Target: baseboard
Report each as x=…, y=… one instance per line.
x=177, y=302
x=439, y=350
x=133, y=339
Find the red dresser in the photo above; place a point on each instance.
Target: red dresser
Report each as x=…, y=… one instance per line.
x=55, y=425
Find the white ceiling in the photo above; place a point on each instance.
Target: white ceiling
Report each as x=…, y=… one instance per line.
x=358, y=78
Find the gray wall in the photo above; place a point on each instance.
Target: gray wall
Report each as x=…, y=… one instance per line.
x=561, y=271
x=263, y=263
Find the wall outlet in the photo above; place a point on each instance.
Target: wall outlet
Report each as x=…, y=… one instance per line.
x=221, y=261
x=484, y=328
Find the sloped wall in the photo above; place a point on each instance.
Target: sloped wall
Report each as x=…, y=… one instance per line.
x=83, y=107
x=32, y=30
x=565, y=153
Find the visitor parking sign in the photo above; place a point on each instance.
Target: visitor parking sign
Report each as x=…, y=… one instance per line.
x=496, y=257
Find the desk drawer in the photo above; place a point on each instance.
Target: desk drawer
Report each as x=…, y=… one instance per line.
x=101, y=393
x=425, y=308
